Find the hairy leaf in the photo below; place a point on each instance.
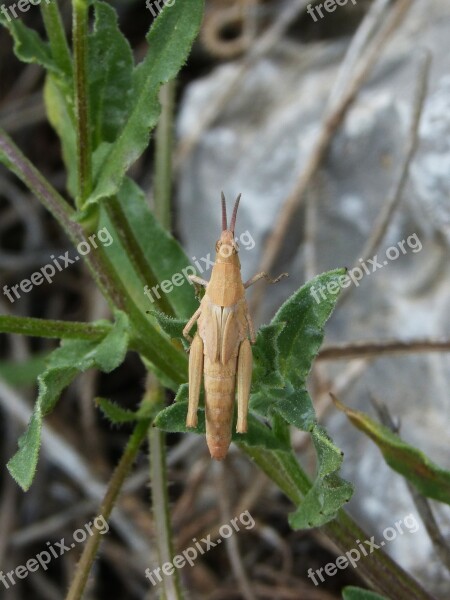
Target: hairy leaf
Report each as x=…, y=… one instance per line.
x=110, y=71
x=173, y=327
x=71, y=358
x=299, y=343
x=118, y=415
x=159, y=255
x=170, y=39
x=61, y=118
x=266, y=373
x=58, y=92
x=23, y=373
x=29, y=47
x=328, y=492
x=431, y=481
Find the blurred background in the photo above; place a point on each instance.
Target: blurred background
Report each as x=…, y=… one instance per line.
x=336, y=130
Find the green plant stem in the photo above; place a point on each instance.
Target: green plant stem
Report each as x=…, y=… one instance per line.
x=134, y=251
x=57, y=36
x=47, y=328
x=157, y=439
x=160, y=506
x=152, y=345
x=380, y=571
x=163, y=155
x=17, y=163
x=377, y=569
x=80, y=42
x=88, y=556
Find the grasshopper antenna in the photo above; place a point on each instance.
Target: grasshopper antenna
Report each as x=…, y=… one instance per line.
x=224, y=213
x=235, y=209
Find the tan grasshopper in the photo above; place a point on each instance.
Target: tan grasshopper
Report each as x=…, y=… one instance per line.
x=221, y=348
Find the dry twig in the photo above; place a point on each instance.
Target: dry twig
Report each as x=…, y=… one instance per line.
x=375, y=348
x=331, y=122
x=393, y=198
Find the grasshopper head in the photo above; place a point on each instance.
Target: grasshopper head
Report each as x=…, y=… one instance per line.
x=226, y=246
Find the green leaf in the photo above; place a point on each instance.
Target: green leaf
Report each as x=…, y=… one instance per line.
x=159, y=258
x=170, y=39
x=23, y=373
x=260, y=435
x=118, y=415
x=60, y=115
x=299, y=343
x=183, y=393
x=431, y=480
x=71, y=358
x=354, y=593
x=173, y=327
x=28, y=45
x=329, y=492
x=123, y=255
x=323, y=501
x=296, y=408
x=173, y=419
x=266, y=357
x=58, y=92
x=110, y=71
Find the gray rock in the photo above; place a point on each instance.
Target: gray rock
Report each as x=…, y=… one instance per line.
x=258, y=146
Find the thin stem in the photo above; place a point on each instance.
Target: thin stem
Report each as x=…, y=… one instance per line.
x=17, y=163
x=378, y=569
x=80, y=33
x=224, y=484
x=134, y=252
x=381, y=572
x=369, y=348
x=330, y=124
x=163, y=155
x=89, y=554
x=262, y=46
x=157, y=439
x=57, y=36
x=395, y=194
x=160, y=504
x=46, y=328
x=152, y=345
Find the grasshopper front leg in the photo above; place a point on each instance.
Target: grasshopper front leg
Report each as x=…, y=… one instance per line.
x=190, y=324
x=199, y=285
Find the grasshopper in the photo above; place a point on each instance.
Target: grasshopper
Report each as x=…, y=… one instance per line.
x=221, y=348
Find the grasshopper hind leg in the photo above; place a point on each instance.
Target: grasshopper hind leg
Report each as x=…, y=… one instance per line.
x=195, y=379
x=244, y=380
